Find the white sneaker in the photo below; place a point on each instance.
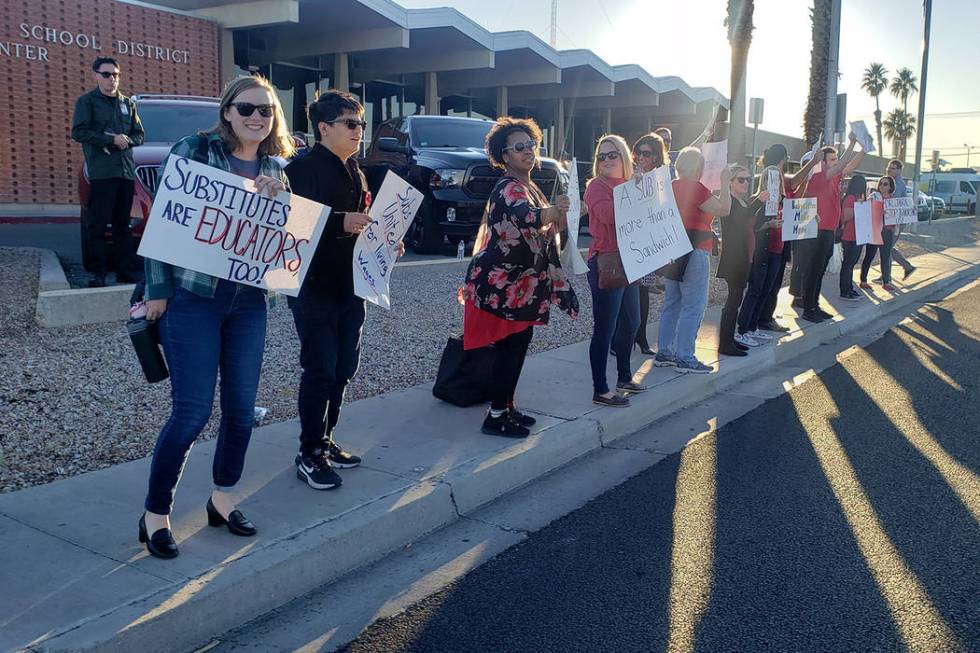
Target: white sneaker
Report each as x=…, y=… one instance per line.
x=746, y=339
x=759, y=335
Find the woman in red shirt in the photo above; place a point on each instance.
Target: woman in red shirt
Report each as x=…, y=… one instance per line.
x=685, y=299
x=857, y=188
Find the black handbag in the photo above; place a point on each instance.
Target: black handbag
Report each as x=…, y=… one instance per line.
x=675, y=269
x=145, y=336
x=464, y=377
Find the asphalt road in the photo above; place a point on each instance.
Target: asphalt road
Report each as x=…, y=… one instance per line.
x=841, y=516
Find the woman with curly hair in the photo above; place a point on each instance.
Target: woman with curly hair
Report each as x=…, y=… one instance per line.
x=514, y=275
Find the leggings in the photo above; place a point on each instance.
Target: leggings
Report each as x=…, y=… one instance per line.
x=852, y=253
x=641, y=332
x=729, y=314
x=888, y=238
x=511, y=352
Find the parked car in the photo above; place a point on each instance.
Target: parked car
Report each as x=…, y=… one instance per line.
x=957, y=188
x=929, y=206
x=444, y=158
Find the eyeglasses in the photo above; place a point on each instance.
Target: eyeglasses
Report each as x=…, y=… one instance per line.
x=106, y=75
x=245, y=109
x=612, y=156
x=520, y=147
x=646, y=154
x=350, y=122
x=742, y=180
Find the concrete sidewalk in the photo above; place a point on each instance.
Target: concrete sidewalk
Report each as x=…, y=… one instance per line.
x=75, y=578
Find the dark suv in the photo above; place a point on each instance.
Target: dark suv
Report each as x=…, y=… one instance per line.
x=444, y=158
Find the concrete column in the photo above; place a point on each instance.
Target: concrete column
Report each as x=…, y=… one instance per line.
x=502, y=105
x=559, y=128
x=341, y=72
x=431, y=94
x=227, y=53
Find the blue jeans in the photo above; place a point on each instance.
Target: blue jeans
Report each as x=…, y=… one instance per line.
x=609, y=306
x=329, y=331
x=201, y=335
x=684, y=304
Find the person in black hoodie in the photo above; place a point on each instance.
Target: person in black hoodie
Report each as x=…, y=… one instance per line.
x=327, y=313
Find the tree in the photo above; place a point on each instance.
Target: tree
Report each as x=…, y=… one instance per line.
x=903, y=86
x=875, y=81
x=739, y=23
x=815, y=116
x=899, y=127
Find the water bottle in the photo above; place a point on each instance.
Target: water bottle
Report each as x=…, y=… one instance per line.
x=459, y=250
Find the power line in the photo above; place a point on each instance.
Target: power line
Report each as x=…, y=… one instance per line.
x=603, y=9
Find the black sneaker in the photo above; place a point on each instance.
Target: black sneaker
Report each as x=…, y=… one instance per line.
x=315, y=471
x=824, y=314
x=521, y=418
x=774, y=327
x=504, y=426
x=341, y=459
x=813, y=316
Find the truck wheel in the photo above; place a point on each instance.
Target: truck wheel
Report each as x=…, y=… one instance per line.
x=426, y=236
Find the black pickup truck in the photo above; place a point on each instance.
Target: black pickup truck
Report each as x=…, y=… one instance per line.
x=444, y=157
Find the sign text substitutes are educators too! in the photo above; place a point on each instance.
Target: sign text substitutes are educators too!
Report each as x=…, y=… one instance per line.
x=211, y=221
x=649, y=229
x=376, y=250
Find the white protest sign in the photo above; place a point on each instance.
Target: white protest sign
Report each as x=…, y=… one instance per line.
x=571, y=258
x=715, y=160
x=649, y=229
x=863, y=135
x=376, y=249
x=900, y=210
x=773, y=186
x=211, y=221
x=800, y=218
x=867, y=223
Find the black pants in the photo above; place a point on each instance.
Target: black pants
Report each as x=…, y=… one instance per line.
x=729, y=314
x=888, y=238
x=802, y=250
x=764, y=282
x=641, y=332
x=511, y=352
x=766, y=315
x=852, y=252
x=109, y=204
x=329, y=331
x=822, y=250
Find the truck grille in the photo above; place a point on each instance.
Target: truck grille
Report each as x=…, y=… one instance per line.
x=148, y=176
x=482, y=178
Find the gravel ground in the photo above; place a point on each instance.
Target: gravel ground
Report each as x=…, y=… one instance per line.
x=74, y=400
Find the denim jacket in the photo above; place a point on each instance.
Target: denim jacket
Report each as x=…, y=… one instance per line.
x=162, y=278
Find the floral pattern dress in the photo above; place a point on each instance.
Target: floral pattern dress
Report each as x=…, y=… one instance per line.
x=517, y=276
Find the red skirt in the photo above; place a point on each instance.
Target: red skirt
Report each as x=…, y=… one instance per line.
x=481, y=328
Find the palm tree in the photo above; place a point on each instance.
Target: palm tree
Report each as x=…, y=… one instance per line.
x=816, y=103
x=903, y=86
x=875, y=81
x=739, y=23
x=899, y=127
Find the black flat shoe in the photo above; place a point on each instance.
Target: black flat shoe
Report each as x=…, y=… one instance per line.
x=237, y=523
x=159, y=545
x=521, y=418
x=732, y=350
x=645, y=349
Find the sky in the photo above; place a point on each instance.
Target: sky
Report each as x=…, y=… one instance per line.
x=688, y=38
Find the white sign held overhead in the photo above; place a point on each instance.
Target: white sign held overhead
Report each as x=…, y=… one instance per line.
x=715, y=160
x=863, y=135
x=212, y=221
x=571, y=258
x=649, y=229
x=800, y=218
x=376, y=248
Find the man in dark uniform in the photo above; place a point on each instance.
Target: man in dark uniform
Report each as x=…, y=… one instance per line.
x=106, y=124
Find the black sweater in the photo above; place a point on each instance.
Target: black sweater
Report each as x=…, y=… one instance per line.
x=321, y=176
x=736, y=251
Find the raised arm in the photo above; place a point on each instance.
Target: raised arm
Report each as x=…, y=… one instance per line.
x=845, y=159
x=803, y=173
x=720, y=206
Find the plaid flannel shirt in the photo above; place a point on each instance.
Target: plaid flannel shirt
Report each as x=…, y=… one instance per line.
x=162, y=278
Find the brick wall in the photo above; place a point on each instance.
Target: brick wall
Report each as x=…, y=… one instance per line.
x=38, y=159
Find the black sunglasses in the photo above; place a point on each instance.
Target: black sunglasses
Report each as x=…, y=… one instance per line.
x=106, y=75
x=245, y=109
x=612, y=156
x=742, y=180
x=350, y=122
x=520, y=147
x=646, y=154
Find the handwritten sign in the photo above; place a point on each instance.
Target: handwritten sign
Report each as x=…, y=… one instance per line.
x=211, y=221
x=799, y=218
x=900, y=210
x=649, y=229
x=868, y=220
x=715, y=160
x=571, y=258
x=377, y=246
x=774, y=187
x=863, y=135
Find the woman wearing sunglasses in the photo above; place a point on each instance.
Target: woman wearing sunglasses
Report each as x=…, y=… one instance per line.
x=611, y=166
x=886, y=187
x=209, y=325
x=514, y=276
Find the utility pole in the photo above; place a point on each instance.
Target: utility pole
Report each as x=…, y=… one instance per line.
x=833, y=70
x=927, y=11
x=554, y=23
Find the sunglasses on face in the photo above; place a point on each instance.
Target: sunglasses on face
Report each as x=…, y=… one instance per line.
x=646, y=154
x=350, y=122
x=106, y=75
x=245, y=109
x=612, y=156
x=742, y=180
x=520, y=147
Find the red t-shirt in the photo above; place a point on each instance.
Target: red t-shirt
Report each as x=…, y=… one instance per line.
x=602, y=215
x=827, y=192
x=690, y=195
x=849, y=234
x=775, y=243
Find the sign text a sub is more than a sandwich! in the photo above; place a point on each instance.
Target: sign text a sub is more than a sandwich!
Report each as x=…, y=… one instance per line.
x=212, y=221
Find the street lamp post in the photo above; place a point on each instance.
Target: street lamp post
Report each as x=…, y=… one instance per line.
x=968, y=148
